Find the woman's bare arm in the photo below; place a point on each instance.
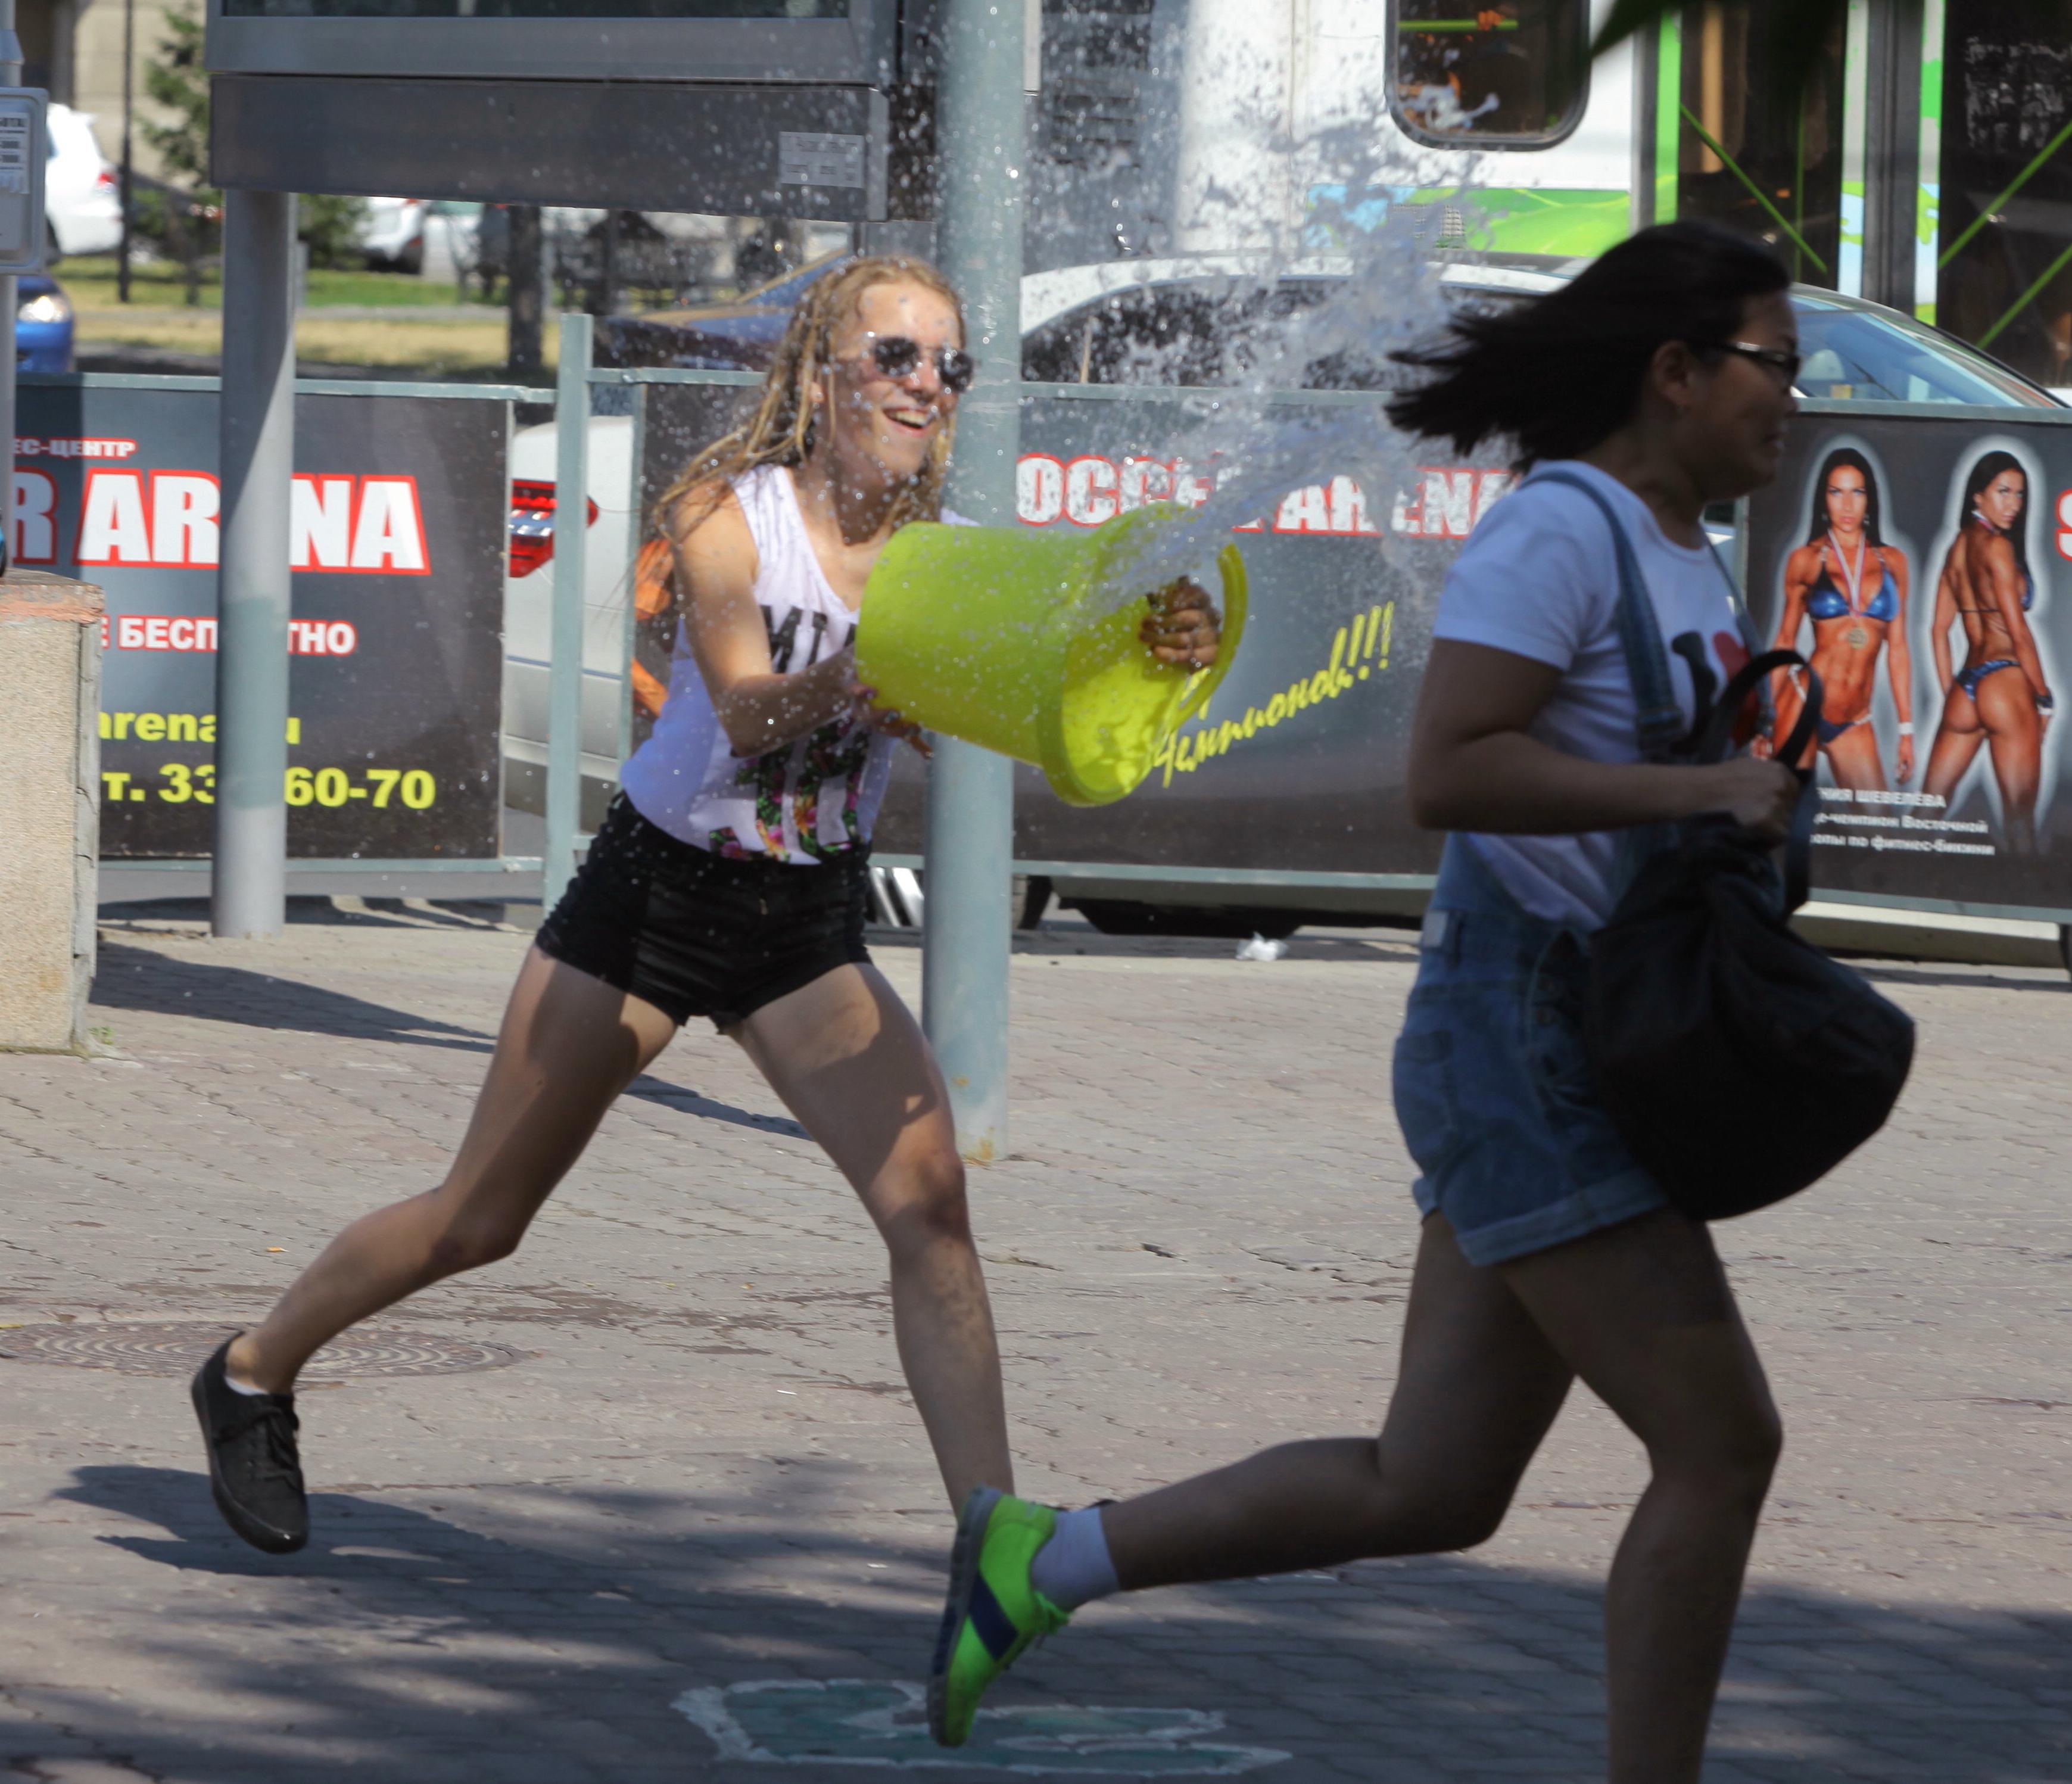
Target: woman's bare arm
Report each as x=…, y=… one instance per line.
x=1945, y=613
x=1899, y=652
x=1785, y=699
x=758, y=709
x=1899, y=659
x=2003, y=577
x=1474, y=766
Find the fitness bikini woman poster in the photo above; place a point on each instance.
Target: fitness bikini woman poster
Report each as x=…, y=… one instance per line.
x=1848, y=590
x=1913, y=559
x=1988, y=653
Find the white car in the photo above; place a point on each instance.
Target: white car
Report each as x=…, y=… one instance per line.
x=82, y=197
x=392, y=234
x=529, y=595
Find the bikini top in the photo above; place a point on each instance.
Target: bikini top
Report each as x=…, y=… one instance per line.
x=1824, y=601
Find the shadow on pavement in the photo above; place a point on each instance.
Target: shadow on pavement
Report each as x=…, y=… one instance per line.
x=649, y=1089
x=142, y=980
x=161, y=984
x=548, y=1639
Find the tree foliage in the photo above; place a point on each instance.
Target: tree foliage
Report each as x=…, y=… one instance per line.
x=176, y=80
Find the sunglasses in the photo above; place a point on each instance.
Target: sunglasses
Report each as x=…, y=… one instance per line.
x=899, y=356
x=1778, y=358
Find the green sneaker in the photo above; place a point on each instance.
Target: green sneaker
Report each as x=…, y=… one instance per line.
x=992, y=1613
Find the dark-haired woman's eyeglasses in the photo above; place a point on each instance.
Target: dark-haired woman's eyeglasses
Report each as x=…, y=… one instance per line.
x=1778, y=358
x=899, y=356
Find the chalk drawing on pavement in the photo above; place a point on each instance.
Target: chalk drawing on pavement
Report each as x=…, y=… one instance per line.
x=885, y=1723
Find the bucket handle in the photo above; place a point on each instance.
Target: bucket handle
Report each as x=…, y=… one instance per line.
x=1231, y=562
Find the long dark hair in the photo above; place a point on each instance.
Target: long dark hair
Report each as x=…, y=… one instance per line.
x=1983, y=473
x=1842, y=457
x=1558, y=373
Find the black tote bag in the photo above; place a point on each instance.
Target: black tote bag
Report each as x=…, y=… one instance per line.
x=1738, y=1061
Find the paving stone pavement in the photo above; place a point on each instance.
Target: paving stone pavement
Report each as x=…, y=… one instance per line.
x=702, y=1471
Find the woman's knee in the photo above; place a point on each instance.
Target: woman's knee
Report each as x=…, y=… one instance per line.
x=1735, y=1456
x=923, y=1201
x=1446, y=1524
x=473, y=1239
x=1409, y=1514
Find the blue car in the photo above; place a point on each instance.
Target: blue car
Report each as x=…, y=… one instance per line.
x=740, y=336
x=43, y=325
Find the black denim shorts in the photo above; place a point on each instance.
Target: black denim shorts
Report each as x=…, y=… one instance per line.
x=697, y=934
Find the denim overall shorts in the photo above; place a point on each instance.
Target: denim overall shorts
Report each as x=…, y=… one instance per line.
x=1492, y=1088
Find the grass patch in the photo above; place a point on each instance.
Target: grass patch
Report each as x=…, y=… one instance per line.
x=159, y=316
x=90, y=284
x=463, y=347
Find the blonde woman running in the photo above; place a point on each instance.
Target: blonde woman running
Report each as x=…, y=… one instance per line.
x=728, y=880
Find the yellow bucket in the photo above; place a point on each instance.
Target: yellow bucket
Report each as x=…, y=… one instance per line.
x=997, y=635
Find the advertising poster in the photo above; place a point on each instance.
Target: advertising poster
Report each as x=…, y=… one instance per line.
x=1924, y=564
x=1922, y=561
x=1297, y=764
x=396, y=644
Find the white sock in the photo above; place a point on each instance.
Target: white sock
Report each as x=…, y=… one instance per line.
x=1073, y=1567
x=237, y=1386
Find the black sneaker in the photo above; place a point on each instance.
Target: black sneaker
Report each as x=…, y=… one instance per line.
x=255, y=1469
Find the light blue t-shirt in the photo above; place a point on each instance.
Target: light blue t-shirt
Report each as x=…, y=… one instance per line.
x=1538, y=578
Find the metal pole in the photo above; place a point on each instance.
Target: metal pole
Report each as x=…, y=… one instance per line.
x=10, y=75
x=524, y=282
x=129, y=87
x=258, y=431
x=970, y=836
x=564, y=656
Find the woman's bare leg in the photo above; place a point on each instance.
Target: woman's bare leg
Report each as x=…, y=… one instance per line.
x=2014, y=730
x=1642, y=1312
x=1477, y=1388
x=568, y=1045
x=849, y=1061
x=1957, y=740
x=1852, y=759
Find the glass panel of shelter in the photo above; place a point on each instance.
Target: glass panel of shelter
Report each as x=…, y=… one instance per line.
x=2003, y=248
x=1750, y=154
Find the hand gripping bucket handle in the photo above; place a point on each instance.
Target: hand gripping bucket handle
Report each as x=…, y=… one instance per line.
x=1230, y=563
x=1025, y=641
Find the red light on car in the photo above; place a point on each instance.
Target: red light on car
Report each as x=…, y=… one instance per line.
x=532, y=523
x=105, y=181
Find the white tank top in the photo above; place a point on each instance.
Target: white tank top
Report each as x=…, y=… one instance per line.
x=806, y=801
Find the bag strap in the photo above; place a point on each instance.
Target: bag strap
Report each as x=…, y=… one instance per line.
x=1657, y=718
x=1659, y=722
x=1746, y=680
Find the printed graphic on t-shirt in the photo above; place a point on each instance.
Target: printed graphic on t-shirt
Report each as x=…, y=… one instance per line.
x=1732, y=655
x=828, y=763
x=784, y=637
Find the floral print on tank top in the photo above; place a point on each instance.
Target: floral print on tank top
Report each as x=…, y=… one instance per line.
x=798, y=774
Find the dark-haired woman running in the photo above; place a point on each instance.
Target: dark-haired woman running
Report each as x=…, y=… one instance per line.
x=1659, y=380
